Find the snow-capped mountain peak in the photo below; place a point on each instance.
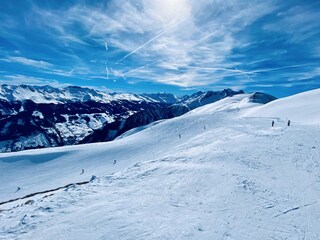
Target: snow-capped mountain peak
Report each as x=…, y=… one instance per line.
x=48, y=94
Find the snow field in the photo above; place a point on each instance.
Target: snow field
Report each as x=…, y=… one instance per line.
x=227, y=177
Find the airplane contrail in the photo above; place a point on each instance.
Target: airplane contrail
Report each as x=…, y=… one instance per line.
x=245, y=74
x=212, y=68
x=152, y=39
x=280, y=68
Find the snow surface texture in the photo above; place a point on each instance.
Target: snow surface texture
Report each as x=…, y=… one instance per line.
x=225, y=177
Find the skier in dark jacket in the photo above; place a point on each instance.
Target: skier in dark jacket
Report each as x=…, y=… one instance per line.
x=289, y=122
x=82, y=172
x=272, y=123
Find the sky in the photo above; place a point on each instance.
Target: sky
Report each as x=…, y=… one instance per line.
x=178, y=46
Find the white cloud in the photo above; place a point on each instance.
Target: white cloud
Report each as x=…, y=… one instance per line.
x=299, y=23
x=28, y=62
x=17, y=79
x=305, y=75
x=181, y=36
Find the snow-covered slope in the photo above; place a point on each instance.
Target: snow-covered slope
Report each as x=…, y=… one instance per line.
x=202, y=98
x=303, y=107
x=237, y=102
x=243, y=102
x=209, y=174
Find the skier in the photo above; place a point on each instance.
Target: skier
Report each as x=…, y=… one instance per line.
x=179, y=135
x=18, y=189
x=114, y=162
x=82, y=172
x=289, y=122
x=272, y=124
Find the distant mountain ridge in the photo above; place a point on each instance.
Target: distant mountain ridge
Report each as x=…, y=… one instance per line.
x=44, y=116
x=49, y=94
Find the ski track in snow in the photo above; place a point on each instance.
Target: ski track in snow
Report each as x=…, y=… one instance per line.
x=236, y=179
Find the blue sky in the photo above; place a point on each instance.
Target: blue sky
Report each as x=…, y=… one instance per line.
x=178, y=46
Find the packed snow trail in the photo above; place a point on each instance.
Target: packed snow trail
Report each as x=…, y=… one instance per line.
x=239, y=178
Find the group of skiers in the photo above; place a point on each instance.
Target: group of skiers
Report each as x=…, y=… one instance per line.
x=288, y=123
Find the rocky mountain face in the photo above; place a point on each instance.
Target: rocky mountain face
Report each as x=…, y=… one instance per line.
x=43, y=116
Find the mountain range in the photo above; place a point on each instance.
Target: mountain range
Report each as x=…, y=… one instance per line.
x=44, y=116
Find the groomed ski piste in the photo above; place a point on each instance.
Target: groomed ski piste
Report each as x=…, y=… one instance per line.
x=218, y=172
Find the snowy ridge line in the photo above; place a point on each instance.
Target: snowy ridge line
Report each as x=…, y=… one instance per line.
x=42, y=192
